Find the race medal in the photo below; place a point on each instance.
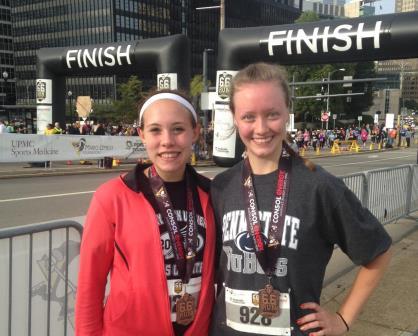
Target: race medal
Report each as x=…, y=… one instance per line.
x=185, y=309
x=269, y=300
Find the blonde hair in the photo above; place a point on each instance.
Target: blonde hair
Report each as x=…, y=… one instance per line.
x=265, y=72
x=260, y=72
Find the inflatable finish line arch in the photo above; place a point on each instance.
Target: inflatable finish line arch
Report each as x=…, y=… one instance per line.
x=168, y=56
x=393, y=36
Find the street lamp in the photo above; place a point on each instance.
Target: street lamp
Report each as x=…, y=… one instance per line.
x=5, y=76
x=205, y=69
x=70, y=97
x=330, y=73
x=222, y=13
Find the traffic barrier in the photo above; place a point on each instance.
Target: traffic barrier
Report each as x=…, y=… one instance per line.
x=354, y=146
x=39, y=263
x=115, y=162
x=39, y=267
x=193, y=159
x=302, y=152
x=335, y=148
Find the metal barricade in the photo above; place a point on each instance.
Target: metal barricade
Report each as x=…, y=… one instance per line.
x=357, y=183
x=414, y=189
x=390, y=192
x=38, y=270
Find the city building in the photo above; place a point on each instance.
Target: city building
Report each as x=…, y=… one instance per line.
x=63, y=23
x=406, y=5
x=325, y=9
x=7, y=91
x=356, y=8
x=385, y=101
x=401, y=74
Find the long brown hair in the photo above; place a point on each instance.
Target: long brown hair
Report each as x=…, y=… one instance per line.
x=265, y=72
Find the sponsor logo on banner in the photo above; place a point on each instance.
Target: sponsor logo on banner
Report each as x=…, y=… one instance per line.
x=167, y=81
x=342, y=38
x=135, y=146
x=82, y=146
x=44, y=91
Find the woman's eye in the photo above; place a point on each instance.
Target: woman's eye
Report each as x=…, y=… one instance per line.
x=178, y=129
x=273, y=115
x=154, y=130
x=247, y=117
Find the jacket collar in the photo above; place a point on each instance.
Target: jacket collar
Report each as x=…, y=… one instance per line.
x=138, y=182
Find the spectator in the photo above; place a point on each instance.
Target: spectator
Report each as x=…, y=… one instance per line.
x=3, y=128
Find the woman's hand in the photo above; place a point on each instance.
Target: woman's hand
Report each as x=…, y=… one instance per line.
x=327, y=323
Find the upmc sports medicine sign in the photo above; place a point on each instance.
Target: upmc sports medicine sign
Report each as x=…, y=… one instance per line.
x=33, y=148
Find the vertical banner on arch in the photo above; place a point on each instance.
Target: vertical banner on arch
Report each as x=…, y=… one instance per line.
x=224, y=132
x=167, y=81
x=44, y=104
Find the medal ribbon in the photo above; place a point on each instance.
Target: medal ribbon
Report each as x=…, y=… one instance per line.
x=267, y=255
x=185, y=254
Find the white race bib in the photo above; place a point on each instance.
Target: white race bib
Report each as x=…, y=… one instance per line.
x=242, y=313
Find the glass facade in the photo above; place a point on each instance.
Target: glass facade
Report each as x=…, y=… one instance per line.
x=7, y=72
x=61, y=23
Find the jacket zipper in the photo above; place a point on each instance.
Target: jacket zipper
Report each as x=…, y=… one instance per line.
x=122, y=255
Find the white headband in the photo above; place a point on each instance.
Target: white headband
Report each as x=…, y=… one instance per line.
x=171, y=96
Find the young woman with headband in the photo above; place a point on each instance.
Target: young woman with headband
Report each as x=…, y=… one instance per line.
x=278, y=218
x=153, y=231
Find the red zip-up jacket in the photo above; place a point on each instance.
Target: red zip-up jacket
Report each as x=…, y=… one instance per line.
x=121, y=236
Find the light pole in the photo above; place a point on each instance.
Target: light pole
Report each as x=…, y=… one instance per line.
x=205, y=68
x=330, y=73
x=222, y=13
x=70, y=97
x=5, y=76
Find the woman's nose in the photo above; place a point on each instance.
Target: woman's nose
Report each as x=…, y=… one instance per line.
x=167, y=138
x=260, y=125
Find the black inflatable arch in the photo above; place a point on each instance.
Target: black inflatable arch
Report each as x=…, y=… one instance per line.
x=168, y=56
x=393, y=36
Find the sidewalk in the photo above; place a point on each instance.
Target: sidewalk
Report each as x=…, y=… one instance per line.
x=23, y=169
x=393, y=308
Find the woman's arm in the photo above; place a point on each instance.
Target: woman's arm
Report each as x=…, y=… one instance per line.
x=96, y=256
x=333, y=324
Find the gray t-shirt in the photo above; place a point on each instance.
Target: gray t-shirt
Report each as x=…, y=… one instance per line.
x=321, y=212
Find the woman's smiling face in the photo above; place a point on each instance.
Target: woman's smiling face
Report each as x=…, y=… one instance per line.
x=168, y=135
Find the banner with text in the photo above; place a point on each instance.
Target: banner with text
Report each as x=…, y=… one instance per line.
x=35, y=147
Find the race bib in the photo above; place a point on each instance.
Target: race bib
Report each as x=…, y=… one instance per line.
x=176, y=290
x=242, y=313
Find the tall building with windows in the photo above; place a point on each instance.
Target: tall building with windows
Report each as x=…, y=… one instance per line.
x=325, y=8
x=7, y=92
x=63, y=23
x=406, y=5
x=401, y=74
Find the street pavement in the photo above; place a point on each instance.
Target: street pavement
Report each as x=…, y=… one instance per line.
x=393, y=308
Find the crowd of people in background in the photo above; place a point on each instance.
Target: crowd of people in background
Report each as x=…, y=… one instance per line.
x=376, y=134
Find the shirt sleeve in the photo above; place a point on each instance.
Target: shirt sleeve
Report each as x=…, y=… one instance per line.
x=350, y=225
x=96, y=256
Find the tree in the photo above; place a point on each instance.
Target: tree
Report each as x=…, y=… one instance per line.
x=312, y=107
x=130, y=93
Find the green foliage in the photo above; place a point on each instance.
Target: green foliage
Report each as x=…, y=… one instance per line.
x=130, y=94
x=310, y=109
x=410, y=104
x=308, y=16
x=196, y=85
